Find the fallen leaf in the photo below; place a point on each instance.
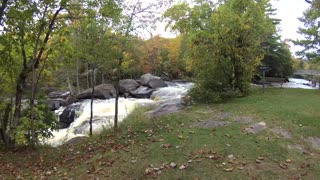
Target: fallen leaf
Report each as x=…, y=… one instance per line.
x=201, y=151
x=148, y=171
x=283, y=166
x=166, y=145
x=228, y=169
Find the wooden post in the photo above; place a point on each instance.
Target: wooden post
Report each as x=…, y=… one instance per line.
x=264, y=79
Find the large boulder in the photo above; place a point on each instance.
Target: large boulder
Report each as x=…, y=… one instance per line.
x=102, y=91
x=144, y=79
x=68, y=115
x=54, y=104
x=127, y=85
x=142, y=92
x=59, y=94
x=156, y=83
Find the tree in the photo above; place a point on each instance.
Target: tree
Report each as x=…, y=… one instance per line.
x=31, y=24
x=93, y=36
x=277, y=57
x=310, y=31
x=225, y=45
x=137, y=16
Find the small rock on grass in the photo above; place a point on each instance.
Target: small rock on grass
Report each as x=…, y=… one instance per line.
x=173, y=165
x=182, y=167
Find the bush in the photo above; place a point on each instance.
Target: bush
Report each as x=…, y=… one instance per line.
x=44, y=123
x=199, y=94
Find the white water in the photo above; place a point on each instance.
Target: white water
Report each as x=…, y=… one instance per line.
x=103, y=111
x=297, y=83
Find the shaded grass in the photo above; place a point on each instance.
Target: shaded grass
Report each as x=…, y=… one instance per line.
x=141, y=144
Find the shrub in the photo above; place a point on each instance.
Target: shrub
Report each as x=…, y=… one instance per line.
x=44, y=123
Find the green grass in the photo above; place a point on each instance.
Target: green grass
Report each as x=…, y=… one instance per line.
x=139, y=144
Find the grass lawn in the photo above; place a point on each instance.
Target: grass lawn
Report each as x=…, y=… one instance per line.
x=176, y=147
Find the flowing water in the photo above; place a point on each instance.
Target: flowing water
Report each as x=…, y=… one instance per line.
x=103, y=111
x=297, y=83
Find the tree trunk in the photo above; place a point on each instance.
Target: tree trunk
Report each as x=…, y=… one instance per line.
x=77, y=76
x=88, y=74
x=68, y=82
x=116, y=108
x=116, y=114
x=94, y=76
x=4, y=125
x=102, y=79
x=91, y=106
x=33, y=135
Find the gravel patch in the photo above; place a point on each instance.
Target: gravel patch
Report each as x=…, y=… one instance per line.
x=256, y=128
x=211, y=124
x=243, y=119
x=282, y=132
x=314, y=141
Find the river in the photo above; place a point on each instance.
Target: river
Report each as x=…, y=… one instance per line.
x=103, y=111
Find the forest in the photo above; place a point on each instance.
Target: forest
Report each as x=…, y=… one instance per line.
x=73, y=45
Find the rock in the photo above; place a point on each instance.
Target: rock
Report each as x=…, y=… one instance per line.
x=243, y=119
x=282, y=132
x=315, y=142
x=144, y=79
x=182, y=167
x=211, y=124
x=142, y=92
x=156, y=83
x=54, y=104
x=76, y=140
x=70, y=100
x=127, y=85
x=298, y=147
x=166, y=108
x=68, y=115
x=102, y=91
x=173, y=165
x=231, y=156
x=106, y=90
x=59, y=94
x=256, y=128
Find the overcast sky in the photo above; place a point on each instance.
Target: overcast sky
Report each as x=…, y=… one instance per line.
x=287, y=10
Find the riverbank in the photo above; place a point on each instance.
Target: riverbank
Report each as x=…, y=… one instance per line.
x=271, y=135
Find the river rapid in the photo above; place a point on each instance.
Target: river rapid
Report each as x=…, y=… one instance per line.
x=103, y=111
